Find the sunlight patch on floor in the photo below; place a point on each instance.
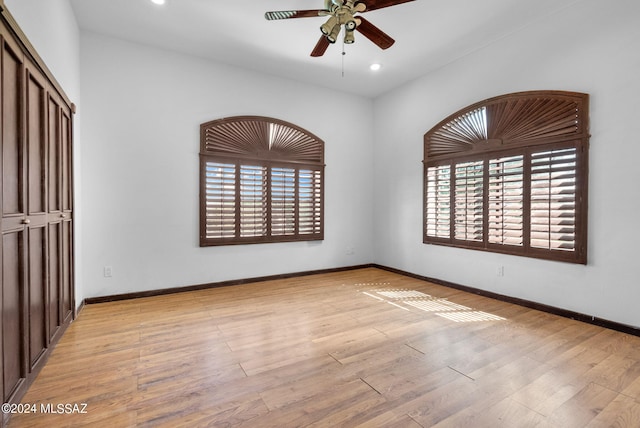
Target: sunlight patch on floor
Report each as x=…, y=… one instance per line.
x=406, y=299
x=402, y=294
x=436, y=305
x=470, y=316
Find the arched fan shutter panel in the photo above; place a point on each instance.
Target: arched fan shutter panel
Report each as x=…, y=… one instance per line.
x=262, y=180
x=509, y=174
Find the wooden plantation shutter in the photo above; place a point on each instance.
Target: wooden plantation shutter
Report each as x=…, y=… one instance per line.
x=310, y=209
x=438, y=202
x=468, y=201
x=553, y=199
x=253, y=200
x=283, y=201
x=219, y=200
x=506, y=200
x=262, y=180
x=509, y=174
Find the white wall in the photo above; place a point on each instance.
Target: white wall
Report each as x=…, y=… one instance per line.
x=591, y=47
x=142, y=110
x=51, y=28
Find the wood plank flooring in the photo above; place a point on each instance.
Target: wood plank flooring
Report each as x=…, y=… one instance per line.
x=362, y=348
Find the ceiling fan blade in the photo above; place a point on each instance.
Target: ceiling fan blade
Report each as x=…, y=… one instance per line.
x=288, y=14
x=379, y=4
x=373, y=33
x=321, y=46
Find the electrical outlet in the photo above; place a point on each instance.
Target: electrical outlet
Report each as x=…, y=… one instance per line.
x=350, y=251
x=500, y=271
x=108, y=271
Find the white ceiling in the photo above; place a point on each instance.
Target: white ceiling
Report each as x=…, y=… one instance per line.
x=428, y=34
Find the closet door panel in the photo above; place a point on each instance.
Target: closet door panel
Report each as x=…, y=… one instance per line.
x=55, y=318
x=54, y=136
x=66, y=160
x=67, y=271
x=37, y=263
x=12, y=152
x=36, y=142
x=12, y=312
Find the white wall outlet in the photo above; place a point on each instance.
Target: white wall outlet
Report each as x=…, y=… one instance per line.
x=500, y=271
x=350, y=251
x=108, y=271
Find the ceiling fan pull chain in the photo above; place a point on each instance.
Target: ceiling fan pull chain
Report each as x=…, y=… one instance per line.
x=343, y=54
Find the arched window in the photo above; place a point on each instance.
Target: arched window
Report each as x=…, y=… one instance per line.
x=261, y=180
x=509, y=174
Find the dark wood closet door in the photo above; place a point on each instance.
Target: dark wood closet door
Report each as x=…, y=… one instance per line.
x=36, y=144
x=67, y=300
x=55, y=215
x=60, y=214
x=13, y=222
x=36, y=213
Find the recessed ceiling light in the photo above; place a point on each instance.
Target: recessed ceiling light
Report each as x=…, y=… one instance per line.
x=158, y=1
x=375, y=67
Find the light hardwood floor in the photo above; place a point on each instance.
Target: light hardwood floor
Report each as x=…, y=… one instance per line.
x=358, y=348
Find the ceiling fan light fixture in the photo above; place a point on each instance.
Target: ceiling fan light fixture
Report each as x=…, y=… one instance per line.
x=328, y=26
x=333, y=36
x=349, y=37
x=350, y=25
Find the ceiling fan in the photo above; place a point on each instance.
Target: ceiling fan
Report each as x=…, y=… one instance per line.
x=343, y=13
